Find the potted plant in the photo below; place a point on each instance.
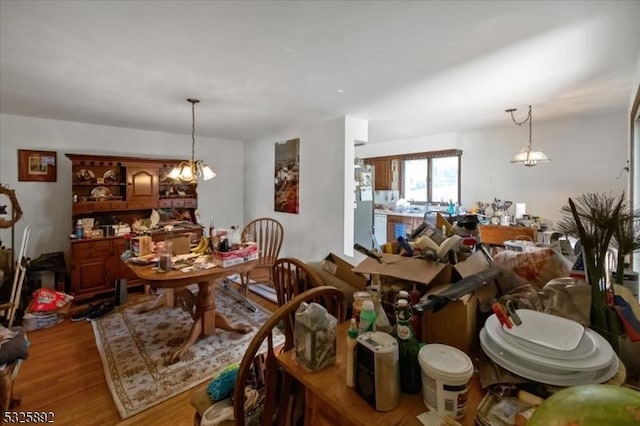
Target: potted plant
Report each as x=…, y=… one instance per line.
x=593, y=219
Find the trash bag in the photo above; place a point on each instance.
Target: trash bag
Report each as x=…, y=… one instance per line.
x=53, y=262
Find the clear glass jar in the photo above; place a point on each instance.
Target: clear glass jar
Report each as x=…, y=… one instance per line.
x=358, y=299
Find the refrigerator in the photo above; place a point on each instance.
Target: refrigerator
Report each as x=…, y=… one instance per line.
x=363, y=206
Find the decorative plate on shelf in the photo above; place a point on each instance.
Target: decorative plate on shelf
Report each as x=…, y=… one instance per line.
x=100, y=192
x=84, y=176
x=110, y=176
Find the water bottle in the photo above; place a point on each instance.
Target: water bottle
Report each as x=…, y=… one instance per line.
x=79, y=230
x=451, y=209
x=367, y=317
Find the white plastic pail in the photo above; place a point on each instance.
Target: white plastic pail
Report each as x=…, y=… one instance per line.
x=445, y=378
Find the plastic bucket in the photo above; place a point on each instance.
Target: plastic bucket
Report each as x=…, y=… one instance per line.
x=445, y=378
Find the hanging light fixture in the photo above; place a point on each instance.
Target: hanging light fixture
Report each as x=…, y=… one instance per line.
x=188, y=171
x=530, y=155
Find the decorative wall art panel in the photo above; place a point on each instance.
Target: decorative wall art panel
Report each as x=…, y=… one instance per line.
x=287, y=174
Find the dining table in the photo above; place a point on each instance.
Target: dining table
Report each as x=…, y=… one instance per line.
x=328, y=400
x=205, y=316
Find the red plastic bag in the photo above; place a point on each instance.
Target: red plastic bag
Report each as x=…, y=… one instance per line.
x=45, y=300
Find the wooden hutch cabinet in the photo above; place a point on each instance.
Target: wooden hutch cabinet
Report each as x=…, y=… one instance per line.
x=108, y=190
x=142, y=187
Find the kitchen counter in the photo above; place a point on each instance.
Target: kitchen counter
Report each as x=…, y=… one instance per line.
x=403, y=214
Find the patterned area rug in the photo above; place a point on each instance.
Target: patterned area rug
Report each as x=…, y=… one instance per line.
x=134, y=349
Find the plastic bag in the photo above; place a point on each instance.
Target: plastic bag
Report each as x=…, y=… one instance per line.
x=314, y=337
x=537, y=266
x=45, y=300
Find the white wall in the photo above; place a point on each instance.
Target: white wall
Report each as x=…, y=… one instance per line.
x=409, y=146
x=318, y=228
x=635, y=158
x=355, y=130
x=47, y=206
x=587, y=155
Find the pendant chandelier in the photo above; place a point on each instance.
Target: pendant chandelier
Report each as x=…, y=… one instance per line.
x=530, y=155
x=190, y=171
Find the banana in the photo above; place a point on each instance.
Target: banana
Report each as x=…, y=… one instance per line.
x=205, y=244
x=201, y=244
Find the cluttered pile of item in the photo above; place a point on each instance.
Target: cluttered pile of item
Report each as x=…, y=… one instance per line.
x=520, y=314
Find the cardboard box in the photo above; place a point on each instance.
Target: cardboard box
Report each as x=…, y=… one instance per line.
x=181, y=243
x=343, y=270
x=142, y=245
x=412, y=269
x=235, y=257
x=455, y=325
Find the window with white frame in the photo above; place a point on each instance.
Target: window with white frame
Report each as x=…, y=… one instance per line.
x=431, y=177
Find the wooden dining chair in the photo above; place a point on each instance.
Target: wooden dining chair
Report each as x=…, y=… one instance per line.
x=262, y=372
x=291, y=277
x=268, y=234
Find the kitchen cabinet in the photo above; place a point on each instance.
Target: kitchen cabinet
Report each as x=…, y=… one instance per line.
x=401, y=225
x=386, y=173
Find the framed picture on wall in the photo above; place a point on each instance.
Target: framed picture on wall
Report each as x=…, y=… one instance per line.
x=37, y=166
x=286, y=176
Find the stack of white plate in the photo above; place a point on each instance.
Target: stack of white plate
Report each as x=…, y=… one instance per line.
x=549, y=349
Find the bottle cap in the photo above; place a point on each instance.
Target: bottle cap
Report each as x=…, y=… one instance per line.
x=403, y=303
x=353, y=329
x=367, y=305
x=403, y=294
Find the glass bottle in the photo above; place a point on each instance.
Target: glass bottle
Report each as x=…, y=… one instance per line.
x=402, y=294
x=352, y=335
x=414, y=299
x=213, y=236
x=408, y=348
x=382, y=321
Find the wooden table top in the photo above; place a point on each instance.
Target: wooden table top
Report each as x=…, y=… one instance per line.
x=174, y=278
x=330, y=385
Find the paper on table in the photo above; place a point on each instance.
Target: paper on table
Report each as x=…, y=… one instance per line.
x=430, y=418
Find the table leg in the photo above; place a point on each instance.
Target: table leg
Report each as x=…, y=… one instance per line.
x=206, y=320
x=167, y=299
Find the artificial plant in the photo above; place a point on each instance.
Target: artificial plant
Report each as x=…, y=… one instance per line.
x=593, y=219
x=626, y=239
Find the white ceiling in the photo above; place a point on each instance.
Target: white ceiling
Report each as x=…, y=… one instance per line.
x=410, y=68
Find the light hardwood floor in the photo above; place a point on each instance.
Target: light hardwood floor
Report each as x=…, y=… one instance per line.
x=64, y=375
